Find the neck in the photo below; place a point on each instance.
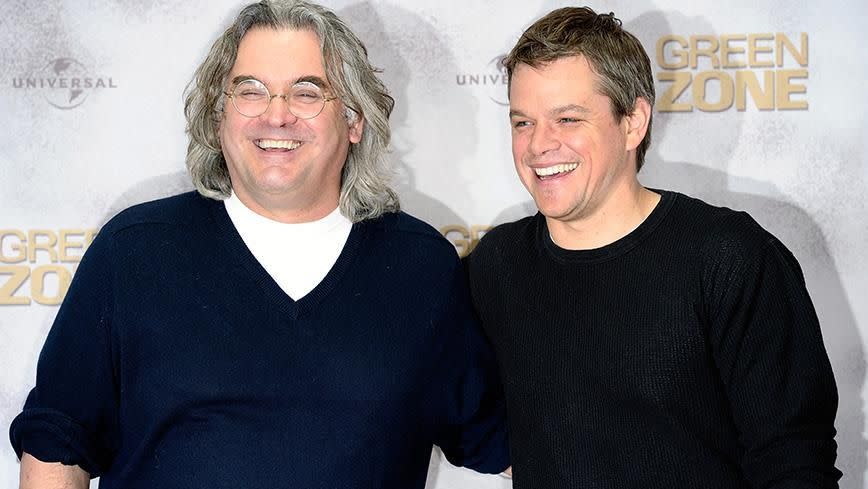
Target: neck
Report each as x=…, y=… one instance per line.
x=289, y=212
x=621, y=212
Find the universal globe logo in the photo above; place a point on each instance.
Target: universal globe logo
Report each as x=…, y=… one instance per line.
x=493, y=82
x=65, y=83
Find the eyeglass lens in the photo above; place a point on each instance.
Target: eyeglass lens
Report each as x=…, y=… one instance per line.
x=251, y=98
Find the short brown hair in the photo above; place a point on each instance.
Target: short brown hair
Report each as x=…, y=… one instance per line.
x=615, y=55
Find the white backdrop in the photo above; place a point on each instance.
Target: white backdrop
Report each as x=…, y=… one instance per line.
x=795, y=157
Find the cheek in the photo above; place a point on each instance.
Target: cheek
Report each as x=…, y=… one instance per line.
x=225, y=133
x=233, y=127
x=578, y=145
x=223, y=139
x=519, y=147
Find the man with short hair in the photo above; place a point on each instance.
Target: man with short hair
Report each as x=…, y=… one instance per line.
x=284, y=327
x=645, y=338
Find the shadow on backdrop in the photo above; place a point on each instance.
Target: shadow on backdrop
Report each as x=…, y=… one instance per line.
x=408, y=48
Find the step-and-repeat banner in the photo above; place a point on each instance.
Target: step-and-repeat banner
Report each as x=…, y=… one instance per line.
x=761, y=107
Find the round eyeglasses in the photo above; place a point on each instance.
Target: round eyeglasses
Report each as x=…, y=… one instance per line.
x=304, y=99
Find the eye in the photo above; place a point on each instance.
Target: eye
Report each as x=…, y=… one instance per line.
x=520, y=124
x=251, y=90
x=306, y=93
x=251, y=94
x=569, y=120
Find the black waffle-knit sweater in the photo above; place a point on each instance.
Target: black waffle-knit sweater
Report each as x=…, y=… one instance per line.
x=685, y=355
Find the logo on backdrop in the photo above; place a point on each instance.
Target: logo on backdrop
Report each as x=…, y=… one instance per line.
x=37, y=265
x=492, y=82
x=714, y=73
x=463, y=238
x=64, y=83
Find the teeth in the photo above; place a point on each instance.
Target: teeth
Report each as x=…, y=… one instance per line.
x=278, y=143
x=553, y=170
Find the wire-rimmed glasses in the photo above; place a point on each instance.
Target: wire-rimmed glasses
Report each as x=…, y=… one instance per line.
x=251, y=98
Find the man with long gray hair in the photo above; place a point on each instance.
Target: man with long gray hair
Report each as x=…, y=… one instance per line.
x=284, y=326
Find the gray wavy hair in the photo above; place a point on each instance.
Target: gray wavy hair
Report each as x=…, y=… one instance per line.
x=365, y=191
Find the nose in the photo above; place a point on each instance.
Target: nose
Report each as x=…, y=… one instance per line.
x=542, y=140
x=278, y=113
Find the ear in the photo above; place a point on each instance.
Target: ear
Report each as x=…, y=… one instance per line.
x=637, y=123
x=356, y=125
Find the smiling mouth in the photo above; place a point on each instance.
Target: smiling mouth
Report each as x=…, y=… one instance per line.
x=555, y=170
x=276, y=145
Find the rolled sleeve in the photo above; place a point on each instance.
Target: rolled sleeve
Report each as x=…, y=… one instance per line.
x=70, y=416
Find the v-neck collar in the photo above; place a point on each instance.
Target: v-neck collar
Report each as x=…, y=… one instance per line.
x=293, y=309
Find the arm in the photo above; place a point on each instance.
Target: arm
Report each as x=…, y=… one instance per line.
x=769, y=351
x=475, y=433
x=40, y=475
x=70, y=416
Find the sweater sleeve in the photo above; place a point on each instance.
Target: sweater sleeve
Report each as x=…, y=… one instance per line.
x=70, y=416
x=769, y=351
x=474, y=433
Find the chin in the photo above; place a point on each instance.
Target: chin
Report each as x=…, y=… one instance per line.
x=549, y=212
x=557, y=212
x=549, y=207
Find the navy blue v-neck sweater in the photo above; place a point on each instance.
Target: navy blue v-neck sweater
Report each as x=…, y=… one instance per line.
x=176, y=361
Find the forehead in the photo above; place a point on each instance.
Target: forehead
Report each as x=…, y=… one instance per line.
x=279, y=55
x=563, y=77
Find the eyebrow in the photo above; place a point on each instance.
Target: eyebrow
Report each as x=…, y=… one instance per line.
x=313, y=79
x=241, y=78
x=569, y=108
x=555, y=111
x=304, y=79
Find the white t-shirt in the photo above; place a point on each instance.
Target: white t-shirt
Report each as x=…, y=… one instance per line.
x=297, y=256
